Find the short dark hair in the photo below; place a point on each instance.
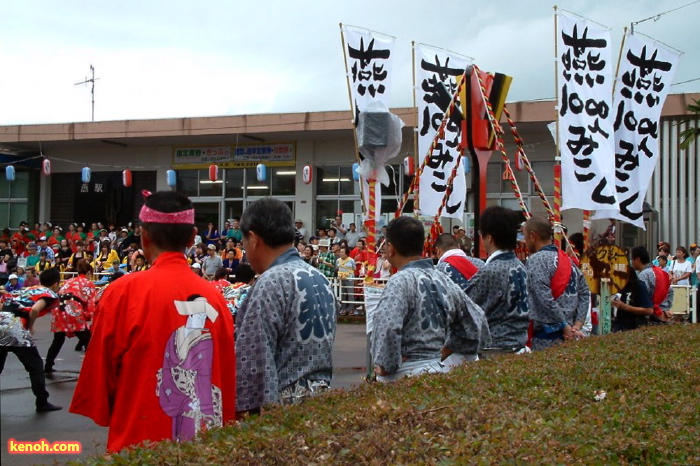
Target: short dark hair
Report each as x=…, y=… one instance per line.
x=446, y=242
x=169, y=236
x=577, y=240
x=540, y=226
x=244, y=273
x=50, y=277
x=502, y=224
x=406, y=235
x=220, y=273
x=683, y=250
x=271, y=220
x=641, y=253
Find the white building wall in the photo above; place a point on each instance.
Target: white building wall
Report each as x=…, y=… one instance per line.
x=675, y=186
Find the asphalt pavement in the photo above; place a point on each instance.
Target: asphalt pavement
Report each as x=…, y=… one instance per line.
x=19, y=421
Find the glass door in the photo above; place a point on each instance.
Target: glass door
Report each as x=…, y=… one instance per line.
x=205, y=212
x=286, y=199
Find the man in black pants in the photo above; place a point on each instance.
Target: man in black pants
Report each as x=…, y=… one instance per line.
x=16, y=321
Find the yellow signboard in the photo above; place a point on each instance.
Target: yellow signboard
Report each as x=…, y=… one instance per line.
x=239, y=156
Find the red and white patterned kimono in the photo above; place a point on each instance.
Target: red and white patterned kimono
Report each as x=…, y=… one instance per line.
x=220, y=285
x=78, y=296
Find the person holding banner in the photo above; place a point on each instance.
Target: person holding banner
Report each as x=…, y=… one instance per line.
x=559, y=296
x=427, y=324
x=500, y=286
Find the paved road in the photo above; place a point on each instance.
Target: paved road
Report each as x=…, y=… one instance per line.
x=19, y=421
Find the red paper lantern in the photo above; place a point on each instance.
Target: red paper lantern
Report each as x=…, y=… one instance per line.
x=126, y=178
x=46, y=167
x=307, y=174
x=213, y=172
x=518, y=161
x=409, y=166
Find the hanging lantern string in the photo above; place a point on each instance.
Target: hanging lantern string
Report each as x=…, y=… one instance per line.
x=92, y=164
x=14, y=162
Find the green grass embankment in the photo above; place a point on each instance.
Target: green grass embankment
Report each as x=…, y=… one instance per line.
x=538, y=409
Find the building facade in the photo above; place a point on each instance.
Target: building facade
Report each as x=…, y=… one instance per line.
x=285, y=143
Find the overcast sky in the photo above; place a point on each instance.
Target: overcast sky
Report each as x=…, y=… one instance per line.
x=161, y=59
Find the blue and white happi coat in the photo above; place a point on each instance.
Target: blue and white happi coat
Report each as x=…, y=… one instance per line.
x=285, y=333
x=456, y=276
x=500, y=289
x=549, y=314
x=419, y=312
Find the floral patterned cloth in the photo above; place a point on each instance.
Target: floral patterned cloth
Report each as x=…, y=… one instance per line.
x=13, y=325
x=77, y=306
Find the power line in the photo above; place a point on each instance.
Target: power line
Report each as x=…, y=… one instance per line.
x=688, y=81
x=659, y=15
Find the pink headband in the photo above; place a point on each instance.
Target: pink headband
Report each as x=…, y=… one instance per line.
x=148, y=215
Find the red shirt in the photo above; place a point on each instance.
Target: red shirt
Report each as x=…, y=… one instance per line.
x=135, y=339
x=72, y=238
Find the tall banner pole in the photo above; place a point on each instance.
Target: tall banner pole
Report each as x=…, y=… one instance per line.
x=556, y=221
x=416, y=192
x=586, y=230
x=352, y=110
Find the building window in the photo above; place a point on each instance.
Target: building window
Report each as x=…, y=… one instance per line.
x=196, y=183
x=237, y=183
x=235, y=180
x=495, y=184
x=545, y=175
x=334, y=180
x=328, y=209
x=208, y=187
x=253, y=187
x=14, y=200
x=283, y=181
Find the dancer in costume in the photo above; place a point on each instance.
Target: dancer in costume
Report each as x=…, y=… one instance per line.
x=148, y=337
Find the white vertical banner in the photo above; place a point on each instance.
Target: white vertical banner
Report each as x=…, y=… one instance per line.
x=437, y=74
x=369, y=55
x=369, y=63
x=645, y=75
x=585, y=84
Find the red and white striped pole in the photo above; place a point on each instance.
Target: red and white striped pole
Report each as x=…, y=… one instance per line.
x=556, y=221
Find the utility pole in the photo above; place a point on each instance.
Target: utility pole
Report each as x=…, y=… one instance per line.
x=92, y=81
